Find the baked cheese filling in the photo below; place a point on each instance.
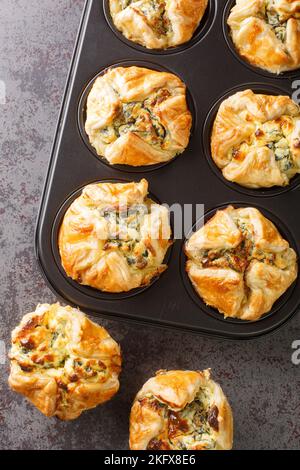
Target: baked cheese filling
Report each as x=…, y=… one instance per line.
x=42, y=345
x=124, y=235
x=240, y=257
x=114, y=238
x=274, y=20
x=139, y=118
x=154, y=13
x=279, y=145
x=275, y=136
x=240, y=264
x=191, y=427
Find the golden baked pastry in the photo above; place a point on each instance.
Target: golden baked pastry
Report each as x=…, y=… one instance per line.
x=240, y=264
x=114, y=238
x=256, y=139
x=157, y=24
x=137, y=116
x=181, y=410
x=267, y=33
x=62, y=362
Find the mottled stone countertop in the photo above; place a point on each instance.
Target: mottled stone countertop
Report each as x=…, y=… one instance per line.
x=36, y=43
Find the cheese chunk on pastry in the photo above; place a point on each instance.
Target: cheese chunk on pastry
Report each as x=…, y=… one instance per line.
x=267, y=33
x=256, y=139
x=157, y=24
x=239, y=263
x=62, y=362
x=114, y=238
x=181, y=410
x=137, y=116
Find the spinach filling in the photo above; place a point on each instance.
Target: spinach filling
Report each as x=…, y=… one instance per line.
x=273, y=19
x=188, y=427
x=280, y=146
x=53, y=343
x=139, y=118
x=272, y=136
x=233, y=259
x=119, y=223
x=87, y=369
x=155, y=12
x=197, y=415
x=237, y=258
x=155, y=15
x=51, y=353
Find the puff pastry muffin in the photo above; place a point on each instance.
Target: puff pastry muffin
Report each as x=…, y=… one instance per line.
x=136, y=116
x=181, y=410
x=114, y=238
x=62, y=362
x=157, y=24
x=240, y=264
x=267, y=33
x=256, y=139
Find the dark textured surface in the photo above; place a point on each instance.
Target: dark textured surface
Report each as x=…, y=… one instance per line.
x=262, y=384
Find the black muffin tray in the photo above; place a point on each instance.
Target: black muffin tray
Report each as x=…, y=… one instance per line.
x=212, y=71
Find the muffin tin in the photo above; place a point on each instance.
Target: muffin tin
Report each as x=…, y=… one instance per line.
x=211, y=72
x=82, y=115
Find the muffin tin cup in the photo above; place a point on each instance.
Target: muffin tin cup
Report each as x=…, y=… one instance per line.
x=261, y=88
x=209, y=70
x=202, y=30
x=289, y=297
x=293, y=74
x=82, y=116
x=90, y=291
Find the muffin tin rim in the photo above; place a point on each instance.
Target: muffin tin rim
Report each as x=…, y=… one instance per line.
x=213, y=312
x=199, y=35
x=288, y=75
x=81, y=115
x=206, y=143
x=88, y=290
